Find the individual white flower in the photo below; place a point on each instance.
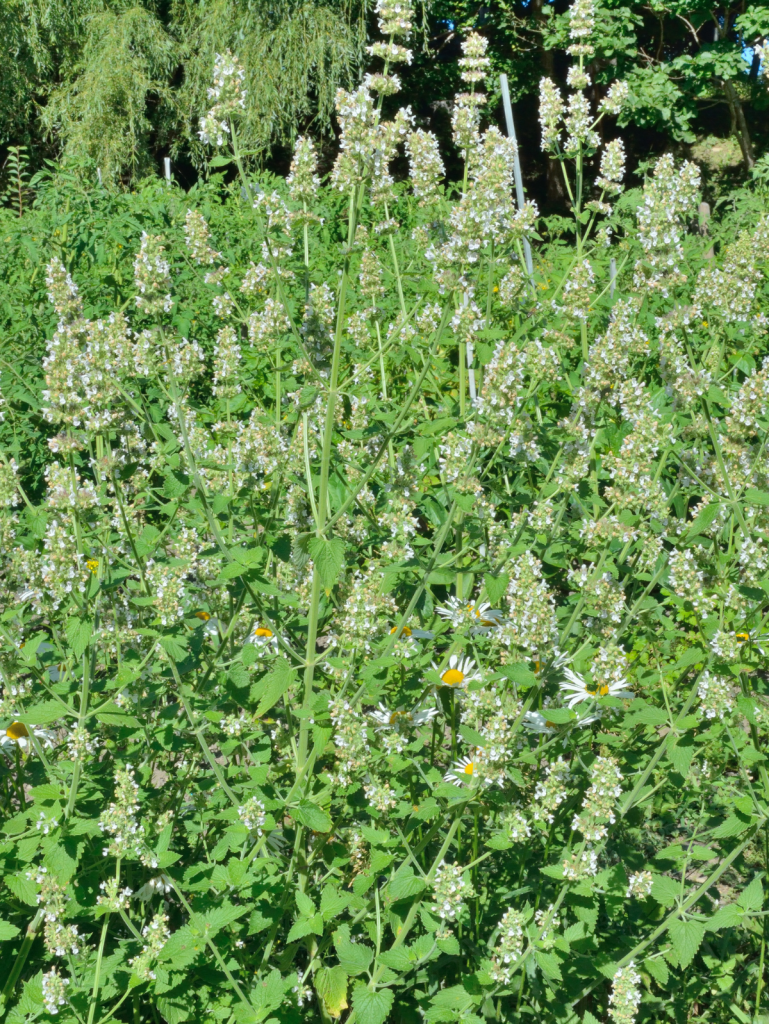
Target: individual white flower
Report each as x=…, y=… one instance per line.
x=159, y=886
x=576, y=689
x=459, y=673
x=639, y=884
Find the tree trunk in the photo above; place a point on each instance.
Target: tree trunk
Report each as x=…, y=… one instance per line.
x=741, y=125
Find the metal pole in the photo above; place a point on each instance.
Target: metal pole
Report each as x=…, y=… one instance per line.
x=508, y=107
x=167, y=167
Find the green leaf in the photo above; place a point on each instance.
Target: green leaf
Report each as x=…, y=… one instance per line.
x=271, y=687
x=752, y=898
x=450, y=946
x=298, y=930
x=686, y=937
x=559, y=716
x=354, y=957
x=405, y=884
x=665, y=890
x=680, y=752
x=309, y=814
x=396, y=959
x=725, y=917
x=43, y=714
x=658, y=969
x=496, y=587
x=754, y=497
x=328, y=556
x=22, y=888
x=304, y=904
x=548, y=964
x=175, y=647
x=371, y=1007
x=733, y=826
x=498, y=842
x=78, y=633
x=7, y=931
x=331, y=986
x=333, y=902
x=704, y=518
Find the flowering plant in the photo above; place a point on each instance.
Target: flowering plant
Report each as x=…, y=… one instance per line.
x=400, y=649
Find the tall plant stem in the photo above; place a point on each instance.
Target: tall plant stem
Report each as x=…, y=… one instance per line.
x=328, y=432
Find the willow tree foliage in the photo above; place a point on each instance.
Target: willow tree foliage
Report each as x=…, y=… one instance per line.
x=117, y=81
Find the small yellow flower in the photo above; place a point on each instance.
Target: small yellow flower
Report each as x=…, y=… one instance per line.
x=404, y=632
x=205, y=616
x=92, y=565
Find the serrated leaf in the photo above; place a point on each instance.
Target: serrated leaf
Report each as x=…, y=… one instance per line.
x=704, y=518
x=752, y=898
x=658, y=969
x=371, y=1007
x=725, y=917
x=354, y=957
x=665, y=890
x=78, y=633
x=271, y=687
x=333, y=902
x=8, y=931
x=328, y=556
x=331, y=986
x=686, y=937
x=755, y=497
x=396, y=959
x=680, y=752
x=733, y=826
x=449, y=945
x=43, y=714
x=304, y=904
x=309, y=814
x=404, y=885
x=498, y=842
x=549, y=964
x=496, y=587
x=298, y=930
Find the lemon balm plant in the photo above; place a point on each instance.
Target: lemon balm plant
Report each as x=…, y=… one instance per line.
x=398, y=652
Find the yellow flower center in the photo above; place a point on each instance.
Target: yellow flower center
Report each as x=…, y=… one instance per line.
x=743, y=636
x=469, y=768
x=599, y=691
x=16, y=731
x=263, y=631
x=404, y=632
x=453, y=677
x=202, y=615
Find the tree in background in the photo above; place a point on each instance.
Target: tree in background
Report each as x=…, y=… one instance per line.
x=121, y=83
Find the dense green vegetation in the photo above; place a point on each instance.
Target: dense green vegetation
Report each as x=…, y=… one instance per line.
x=384, y=565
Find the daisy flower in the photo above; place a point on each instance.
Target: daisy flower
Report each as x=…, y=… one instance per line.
x=459, y=673
x=463, y=771
x=263, y=636
x=418, y=634
x=755, y=638
x=482, y=617
x=387, y=719
x=534, y=721
x=20, y=734
x=210, y=623
x=576, y=689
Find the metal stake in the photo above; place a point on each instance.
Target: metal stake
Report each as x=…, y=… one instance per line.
x=508, y=107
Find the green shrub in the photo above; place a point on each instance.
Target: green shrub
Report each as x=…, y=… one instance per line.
x=387, y=637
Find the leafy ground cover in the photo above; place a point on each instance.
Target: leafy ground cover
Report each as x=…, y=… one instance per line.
x=384, y=615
